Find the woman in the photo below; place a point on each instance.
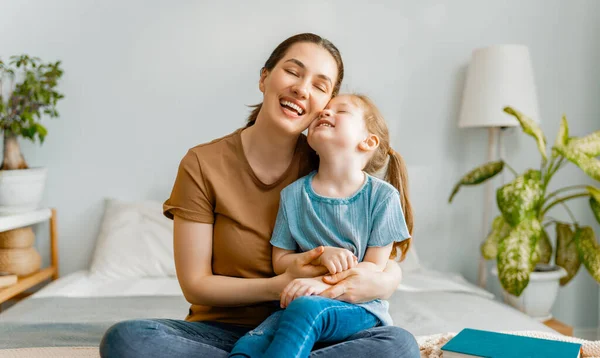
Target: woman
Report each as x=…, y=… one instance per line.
x=224, y=204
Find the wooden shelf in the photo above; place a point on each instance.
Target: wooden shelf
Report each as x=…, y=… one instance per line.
x=559, y=327
x=26, y=282
x=9, y=222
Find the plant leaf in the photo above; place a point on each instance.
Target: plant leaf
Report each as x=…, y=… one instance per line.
x=500, y=228
x=594, y=192
x=589, y=251
x=567, y=254
x=589, y=165
x=589, y=145
x=563, y=133
x=544, y=248
x=520, y=198
x=595, y=205
x=515, y=253
x=41, y=131
x=531, y=128
x=478, y=175
x=562, y=137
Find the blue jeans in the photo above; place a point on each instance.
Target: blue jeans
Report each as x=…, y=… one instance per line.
x=177, y=338
x=308, y=319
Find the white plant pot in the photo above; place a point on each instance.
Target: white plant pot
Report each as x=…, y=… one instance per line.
x=21, y=190
x=538, y=297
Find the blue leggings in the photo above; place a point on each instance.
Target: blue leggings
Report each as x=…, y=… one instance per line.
x=307, y=320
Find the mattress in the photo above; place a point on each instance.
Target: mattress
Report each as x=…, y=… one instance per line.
x=76, y=310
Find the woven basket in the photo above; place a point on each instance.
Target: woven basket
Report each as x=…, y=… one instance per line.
x=17, y=239
x=21, y=262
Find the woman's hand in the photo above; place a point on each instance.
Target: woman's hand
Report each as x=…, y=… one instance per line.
x=336, y=259
x=302, y=266
x=302, y=287
x=362, y=284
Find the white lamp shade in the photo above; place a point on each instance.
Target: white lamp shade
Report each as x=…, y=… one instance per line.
x=498, y=76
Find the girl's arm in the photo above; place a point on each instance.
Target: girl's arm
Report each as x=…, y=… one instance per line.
x=282, y=259
x=333, y=259
x=376, y=257
x=193, y=263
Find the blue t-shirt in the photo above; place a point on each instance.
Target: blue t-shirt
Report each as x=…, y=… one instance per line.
x=372, y=216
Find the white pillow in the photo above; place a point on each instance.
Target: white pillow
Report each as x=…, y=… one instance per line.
x=135, y=240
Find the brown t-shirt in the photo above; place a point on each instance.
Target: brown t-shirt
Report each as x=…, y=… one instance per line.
x=216, y=185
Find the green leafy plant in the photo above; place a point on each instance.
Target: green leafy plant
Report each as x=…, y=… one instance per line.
x=518, y=239
x=31, y=93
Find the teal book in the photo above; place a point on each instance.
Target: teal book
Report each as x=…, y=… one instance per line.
x=476, y=343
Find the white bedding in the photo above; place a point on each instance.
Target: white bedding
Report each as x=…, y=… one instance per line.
x=84, y=284
x=76, y=309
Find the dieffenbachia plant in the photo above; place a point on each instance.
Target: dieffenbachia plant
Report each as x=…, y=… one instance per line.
x=518, y=239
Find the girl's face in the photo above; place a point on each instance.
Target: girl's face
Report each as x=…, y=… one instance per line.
x=299, y=86
x=341, y=126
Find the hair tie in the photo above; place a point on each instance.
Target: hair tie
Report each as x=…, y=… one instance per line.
x=390, y=151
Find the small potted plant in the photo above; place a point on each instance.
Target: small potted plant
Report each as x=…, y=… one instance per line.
x=518, y=239
x=27, y=93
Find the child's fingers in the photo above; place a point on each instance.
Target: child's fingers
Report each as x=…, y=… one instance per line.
x=352, y=261
x=338, y=265
x=289, y=295
x=341, y=265
x=331, y=267
x=284, y=294
x=303, y=291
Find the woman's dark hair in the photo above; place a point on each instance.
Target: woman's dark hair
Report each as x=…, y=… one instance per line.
x=281, y=50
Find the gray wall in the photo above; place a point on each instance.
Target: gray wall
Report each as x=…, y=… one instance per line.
x=146, y=80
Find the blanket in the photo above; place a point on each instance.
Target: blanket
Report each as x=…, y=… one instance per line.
x=51, y=352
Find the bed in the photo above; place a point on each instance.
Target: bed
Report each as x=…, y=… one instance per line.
x=76, y=310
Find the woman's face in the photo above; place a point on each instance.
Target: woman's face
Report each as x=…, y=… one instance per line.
x=298, y=88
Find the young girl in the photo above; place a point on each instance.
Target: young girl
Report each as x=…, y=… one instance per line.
x=357, y=219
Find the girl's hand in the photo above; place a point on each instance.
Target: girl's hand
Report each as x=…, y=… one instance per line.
x=302, y=287
x=303, y=266
x=336, y=259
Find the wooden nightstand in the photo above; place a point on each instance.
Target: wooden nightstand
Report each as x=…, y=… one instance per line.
x=17, y=291
x=559, y=327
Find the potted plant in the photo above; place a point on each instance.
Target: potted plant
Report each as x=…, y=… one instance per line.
x=518, y=239
x=27, y=92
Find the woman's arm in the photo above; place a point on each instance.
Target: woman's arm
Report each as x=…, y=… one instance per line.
x=193, y=262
